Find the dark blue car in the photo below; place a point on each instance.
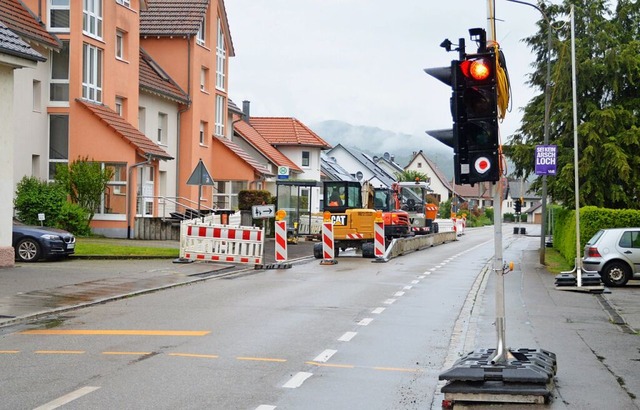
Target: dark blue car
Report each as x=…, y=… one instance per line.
x=40, y=242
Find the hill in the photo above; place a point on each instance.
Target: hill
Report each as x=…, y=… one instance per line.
x=376, y=141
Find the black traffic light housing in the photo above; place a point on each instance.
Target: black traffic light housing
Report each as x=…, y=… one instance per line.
x=475, y=134
x=518, y=206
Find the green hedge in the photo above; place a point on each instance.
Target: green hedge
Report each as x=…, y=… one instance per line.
x=592, y=219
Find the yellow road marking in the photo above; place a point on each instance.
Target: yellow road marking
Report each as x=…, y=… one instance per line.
x=397, y=369
x=59, y=352
x=9, y=351
x=128, y=353
x=261, y=359
x=116, y=332
x=342, y=366
x=204, y=356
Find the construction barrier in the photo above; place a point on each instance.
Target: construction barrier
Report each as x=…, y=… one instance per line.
x=328, y=251
x=378, y=239
x=221, y=243
x=281, y=241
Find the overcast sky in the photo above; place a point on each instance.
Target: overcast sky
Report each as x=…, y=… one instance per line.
x=362, y=61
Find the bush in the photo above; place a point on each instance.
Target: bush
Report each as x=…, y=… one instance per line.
x=75, y=219
x=247, y=199
x=34, y=196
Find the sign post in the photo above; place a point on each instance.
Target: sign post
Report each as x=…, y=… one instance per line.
x=200, y=176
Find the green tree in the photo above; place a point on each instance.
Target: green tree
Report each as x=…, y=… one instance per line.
x=34, y=197
x=608, y=78
x=85, y=181
x=411, y=176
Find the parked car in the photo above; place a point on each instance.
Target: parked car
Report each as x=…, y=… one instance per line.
x=615, y=254
x=37, y=242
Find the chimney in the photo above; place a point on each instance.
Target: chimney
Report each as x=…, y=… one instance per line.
x=246, y=110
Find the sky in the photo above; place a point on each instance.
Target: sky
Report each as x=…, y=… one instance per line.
x=362, y=61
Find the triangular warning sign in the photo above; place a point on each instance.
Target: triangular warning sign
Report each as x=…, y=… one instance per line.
x=200, y=176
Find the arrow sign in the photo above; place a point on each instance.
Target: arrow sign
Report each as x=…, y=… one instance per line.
x=263, y=211
x=200, y=176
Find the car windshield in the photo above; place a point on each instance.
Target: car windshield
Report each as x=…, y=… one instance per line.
x=595, y=237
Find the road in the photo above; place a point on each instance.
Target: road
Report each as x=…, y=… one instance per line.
x=353, y=335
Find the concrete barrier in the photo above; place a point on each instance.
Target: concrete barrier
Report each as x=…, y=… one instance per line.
x=400, y=246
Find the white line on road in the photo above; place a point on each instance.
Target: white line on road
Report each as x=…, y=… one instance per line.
x=424, y=275
x=324, y=356
x=377, y=311
x=67, y=398
x=407, y=287
x=398, y=294
x=415, y=282
x=389, y=301
x=297, y=380
x=265, y=407
x=365, y=321
x=347, y=336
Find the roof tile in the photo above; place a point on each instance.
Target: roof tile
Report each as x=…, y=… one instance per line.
x=172, y=17
x=17, y=17
x=154, y=79
x=127, y=131
x=12, y=44
x=261, y=144
x=236, y=149
x=287, y=131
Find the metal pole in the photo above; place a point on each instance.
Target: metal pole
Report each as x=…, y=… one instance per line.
x=501, y=354
x=547, y=109
x=575, y=146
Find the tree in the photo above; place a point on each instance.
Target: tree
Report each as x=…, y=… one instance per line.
x=85, y=182
x=411, y=176
x=608, y=79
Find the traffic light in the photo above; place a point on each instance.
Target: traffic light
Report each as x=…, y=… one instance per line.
x=475, y=116
x=518, y=206
x=474, y=110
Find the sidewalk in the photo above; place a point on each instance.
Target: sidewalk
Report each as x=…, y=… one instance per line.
x=594, y=336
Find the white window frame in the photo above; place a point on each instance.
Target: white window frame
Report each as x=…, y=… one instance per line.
x=60, y=158
x=118, y=183
x=92, y=72
x=92, y=18
x=58, y=5
x=119, y=106
x=221, y=58
x=120, y=54
x=308, y=158
x=219, y=131
x=203, y=132
x=202, y=32
x=204, y=73
x=126, y=3
x=163, y=120
x=64, y=82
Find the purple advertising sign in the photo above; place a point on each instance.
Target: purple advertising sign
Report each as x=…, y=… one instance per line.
x=546, y=159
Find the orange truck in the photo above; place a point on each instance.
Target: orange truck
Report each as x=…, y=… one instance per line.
x=413, y=198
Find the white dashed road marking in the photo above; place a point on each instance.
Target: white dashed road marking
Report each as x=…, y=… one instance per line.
x=377, y=311
x=389, y=301
x=67, y=398
x=324, y=356
x=297, y=380
x=365, y=321
x=347, y=336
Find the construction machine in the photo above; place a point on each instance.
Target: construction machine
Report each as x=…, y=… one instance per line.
x=353, y=207
x=413, y=198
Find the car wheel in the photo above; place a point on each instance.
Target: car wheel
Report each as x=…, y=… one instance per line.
x=317, y=250
x=615, y=274
x=368, y=250
x=28, y=250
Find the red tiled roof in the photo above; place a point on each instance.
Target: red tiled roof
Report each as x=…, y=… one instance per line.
x=235, y=148
x=287, y=131
x=258, y=142
x=480, y=190
x=172, y=17
x=155, y=80
x=19, y=19
x=127, y=131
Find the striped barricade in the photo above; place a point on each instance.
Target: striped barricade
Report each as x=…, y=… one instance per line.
x=281, y=241
x=378, y=240
x=222, y=243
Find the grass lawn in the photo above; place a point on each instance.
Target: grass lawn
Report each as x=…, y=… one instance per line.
x=555, y=262
x=102, y=247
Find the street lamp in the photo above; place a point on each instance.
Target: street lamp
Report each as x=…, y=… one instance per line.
x=547, y=107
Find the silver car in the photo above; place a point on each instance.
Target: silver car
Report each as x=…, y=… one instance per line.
x=615, y=254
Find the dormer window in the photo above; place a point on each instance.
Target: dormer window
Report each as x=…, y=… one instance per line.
x=200, y=37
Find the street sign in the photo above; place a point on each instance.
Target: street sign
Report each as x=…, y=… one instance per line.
x=283, y=172
x=200, y=176
x=546, y=159
x=263, y=211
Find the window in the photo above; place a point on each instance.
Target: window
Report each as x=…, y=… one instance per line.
x=120, y=45
x=119, y=106
x=419, y=164
x=220, y=115
x=142, y=118
x=92, y=73
x=221, y=56
x=37, y=95
x=202, y=31
x=203, y=132
x=125, y=3
x=92, y=18
x=305, y=158
x=114, y=197
x=204, y=78
x=162, y=128
x=58, y=142
x=226, y=193
x=59, y=15
x=59, y=85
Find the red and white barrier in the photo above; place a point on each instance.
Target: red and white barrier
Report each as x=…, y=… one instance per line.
x=221, y=243
x=328, y=250
x=281, y=241
x=378, y=243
